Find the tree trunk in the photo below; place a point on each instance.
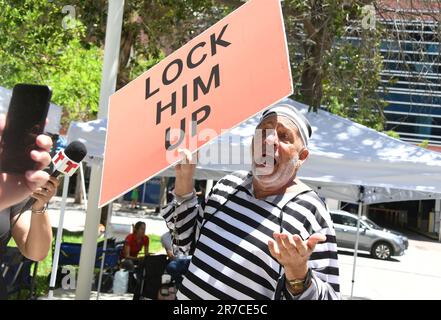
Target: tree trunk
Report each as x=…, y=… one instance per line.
x=318, y=42
x=127, y=41
x=312, y=76
x=129, y=36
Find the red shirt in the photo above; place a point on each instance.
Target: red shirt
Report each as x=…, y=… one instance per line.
x=136, y=246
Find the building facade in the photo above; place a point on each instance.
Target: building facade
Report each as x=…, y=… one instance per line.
x=411, y=85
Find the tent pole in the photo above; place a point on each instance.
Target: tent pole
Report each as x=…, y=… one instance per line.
x=56, y=255
x=164, y=183
x=83, y=184
x=360, y=208
x=143, y=192
x=438, y=217
x=103, y=257
x=108, y=85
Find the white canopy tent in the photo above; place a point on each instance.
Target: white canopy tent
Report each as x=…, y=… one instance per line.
x=54, y=114
x=93, y=135
x=343, y=156
x=348, y=161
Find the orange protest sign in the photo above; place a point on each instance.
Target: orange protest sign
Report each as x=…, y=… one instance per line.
x=224, y=76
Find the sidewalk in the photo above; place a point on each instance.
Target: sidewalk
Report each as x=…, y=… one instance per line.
x=62, y=294
x=120, y=224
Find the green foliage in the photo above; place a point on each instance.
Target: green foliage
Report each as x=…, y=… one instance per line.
x=32, y=37
x=424, y=144
x=150, y=28
x=141, y=65
x=339, y=74
x=352, y=78
x=76, y=81
x=392, y=134
x=36, y=48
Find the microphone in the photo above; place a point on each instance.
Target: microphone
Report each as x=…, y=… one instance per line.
x=65, y=162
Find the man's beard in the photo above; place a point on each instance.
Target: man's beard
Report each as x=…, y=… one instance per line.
x=278, y=176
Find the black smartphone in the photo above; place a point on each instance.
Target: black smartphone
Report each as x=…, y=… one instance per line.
x=25, y=120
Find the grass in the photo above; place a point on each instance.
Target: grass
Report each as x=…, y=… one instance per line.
x=45, y=266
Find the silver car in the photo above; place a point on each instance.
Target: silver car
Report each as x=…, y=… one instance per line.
x=380, y=242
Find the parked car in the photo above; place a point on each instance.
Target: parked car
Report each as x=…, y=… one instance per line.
x=380, y=242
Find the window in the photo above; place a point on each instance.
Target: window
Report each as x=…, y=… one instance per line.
x=337, y=218
x=349, y=221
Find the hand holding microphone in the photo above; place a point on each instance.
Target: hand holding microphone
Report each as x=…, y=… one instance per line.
x=42, y=195
x=65, y=162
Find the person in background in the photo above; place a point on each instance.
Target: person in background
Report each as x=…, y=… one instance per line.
x=134, y=198
x=200, y=187
x=134, y=243
x=130, y=259
x=167, y=244
x=178, y=264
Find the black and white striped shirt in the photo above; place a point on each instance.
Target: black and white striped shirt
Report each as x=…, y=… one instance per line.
x=230, y=234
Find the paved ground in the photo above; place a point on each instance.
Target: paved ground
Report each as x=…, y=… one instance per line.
x=61, y=294
x=415, y=275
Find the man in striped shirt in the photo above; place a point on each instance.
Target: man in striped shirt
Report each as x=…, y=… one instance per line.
x=261, y=234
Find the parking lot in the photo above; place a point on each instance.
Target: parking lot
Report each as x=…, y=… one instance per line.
x=415, y=275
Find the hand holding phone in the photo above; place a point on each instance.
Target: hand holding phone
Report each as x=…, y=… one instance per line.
x=15, y=187
x=25, y=121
